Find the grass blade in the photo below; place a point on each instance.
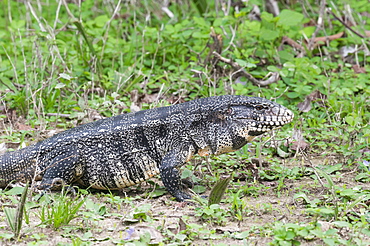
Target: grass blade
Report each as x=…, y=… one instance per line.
x=15, y=216
x=20, y=211
x=218, y=191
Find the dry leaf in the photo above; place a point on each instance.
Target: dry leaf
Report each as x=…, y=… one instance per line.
x=149, y=98
x=23, y=127
x=182, y=225
x=305, y=106
x=358, y=69
x=299, y=143
x=328, y=38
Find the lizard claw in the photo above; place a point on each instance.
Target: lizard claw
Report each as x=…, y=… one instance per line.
x=186, y=183
x=181, y=196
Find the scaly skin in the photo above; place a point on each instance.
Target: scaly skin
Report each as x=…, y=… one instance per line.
x=128, y=149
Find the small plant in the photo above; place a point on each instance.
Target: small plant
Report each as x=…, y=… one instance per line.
x=365, y=175
x=212, y=211
x=15, y=216
x=60, y=209
x=285, y=235
x=213, y=214
x=140, y=213
x=238, y=206
x=115, y=200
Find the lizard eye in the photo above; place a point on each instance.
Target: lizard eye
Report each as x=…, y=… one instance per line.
x=259, y=107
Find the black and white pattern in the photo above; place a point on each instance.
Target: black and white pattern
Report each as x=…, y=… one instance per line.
x=128, y=149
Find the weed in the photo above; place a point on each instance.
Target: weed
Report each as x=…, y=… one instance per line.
x=15, y=216
x=218, y=191
x=213, y=214
x=59, y=210
x=238, y=206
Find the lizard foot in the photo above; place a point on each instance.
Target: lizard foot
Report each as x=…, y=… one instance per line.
x=58, y=182
x=181, y=196
x=186, y=183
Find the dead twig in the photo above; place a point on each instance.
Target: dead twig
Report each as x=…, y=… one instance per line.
x=292, y=43
x=59, y=115
x=216, y=46
x=319, y=26
x=240, y=70
x=345, y=24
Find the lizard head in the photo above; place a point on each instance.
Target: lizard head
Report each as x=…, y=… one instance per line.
x=257, y=116
x=239, y=121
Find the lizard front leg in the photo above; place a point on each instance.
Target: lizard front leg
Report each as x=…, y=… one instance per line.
x=62, y=169
x=169, y=173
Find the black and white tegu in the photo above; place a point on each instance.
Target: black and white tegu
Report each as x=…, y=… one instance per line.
x=127, y=149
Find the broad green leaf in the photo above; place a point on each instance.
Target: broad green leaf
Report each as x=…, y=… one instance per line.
x=200, y=35
x=289, y=18
x=285, y=55
x=242, y=235
x=342, y=224
x=241, y=63
x=7, y=235
x=59, y=85
x=303, y=196
x=199, y=189
x=293, y=94
x=282, y=153
x=332, y=169
x=18, y=24
x=14, y=191
x=100, y=21
x=350, y=120
x=157, y=193
x=200, y=22
x=268, y=35
x=308, y=31
x=362, y=177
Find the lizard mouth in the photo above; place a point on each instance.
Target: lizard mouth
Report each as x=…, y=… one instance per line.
x=264, y=123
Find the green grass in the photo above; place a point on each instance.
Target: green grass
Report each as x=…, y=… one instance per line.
x=67, y=64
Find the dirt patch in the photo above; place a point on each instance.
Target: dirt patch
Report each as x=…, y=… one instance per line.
x=166, y=219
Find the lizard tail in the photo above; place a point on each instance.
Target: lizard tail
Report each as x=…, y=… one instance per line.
x=18, y=165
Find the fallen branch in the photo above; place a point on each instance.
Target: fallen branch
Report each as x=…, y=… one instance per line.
x=59, y=115
x=345, y=24
x=292, y=43
x=69, y=116
x=240, y=70
x=319, y=26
